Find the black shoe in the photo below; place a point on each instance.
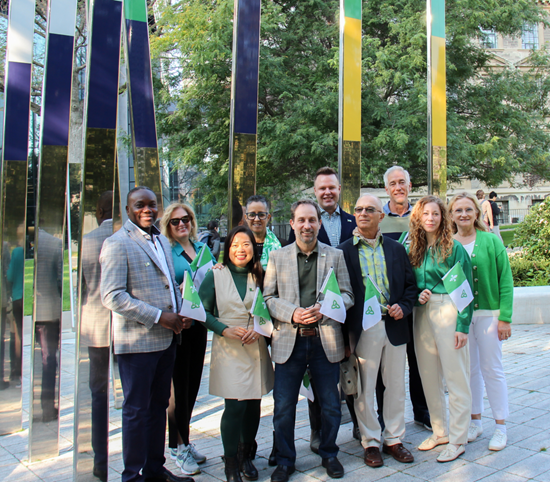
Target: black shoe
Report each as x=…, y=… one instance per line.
x=167, y=476
x=282, y=473
x=232, y=473
x=244, y=454
x=356, y=433
x=315, y=441
x=272, y=461
x=334, y=467
x=100, y=474
x=424, y=421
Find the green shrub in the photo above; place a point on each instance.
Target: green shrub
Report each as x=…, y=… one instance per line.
x=530, y=270
x=533, y=234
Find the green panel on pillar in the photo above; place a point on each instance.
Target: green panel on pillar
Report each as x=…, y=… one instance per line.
x=352, y=9
x=438, y=18
x=135, y=10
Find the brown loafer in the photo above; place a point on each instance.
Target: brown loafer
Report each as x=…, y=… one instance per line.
x=399, y=453
x=373, y=457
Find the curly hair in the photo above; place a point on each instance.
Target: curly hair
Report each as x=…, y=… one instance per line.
x=165, y=228
x=443, y=246
x=478, y=223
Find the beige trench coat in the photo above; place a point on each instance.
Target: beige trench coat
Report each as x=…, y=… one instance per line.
x=237, y=371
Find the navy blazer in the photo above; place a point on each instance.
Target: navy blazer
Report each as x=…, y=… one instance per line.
x=348, y=225
x=403, y=291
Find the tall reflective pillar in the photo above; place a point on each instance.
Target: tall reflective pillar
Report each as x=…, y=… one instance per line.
x=437, y=99
x=244, y=107
x=50, y=230
x=13, y=207
x=349, y=112
x=91, y=408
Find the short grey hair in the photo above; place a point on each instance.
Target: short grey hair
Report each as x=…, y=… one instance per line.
x=393, y=169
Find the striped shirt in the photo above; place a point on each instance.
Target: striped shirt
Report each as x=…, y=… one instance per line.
x=333, y=225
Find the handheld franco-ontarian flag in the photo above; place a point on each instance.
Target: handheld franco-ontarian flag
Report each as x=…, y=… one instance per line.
x=201, y=265
x=262, y=319
x=192, y=304
x=333, y=304
x=457, y=286
x=305, y=388
x=372, y=313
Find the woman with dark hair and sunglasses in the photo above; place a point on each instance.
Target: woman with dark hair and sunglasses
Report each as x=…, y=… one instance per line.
x=240, y=368
x=440, y=331
x=179, y=225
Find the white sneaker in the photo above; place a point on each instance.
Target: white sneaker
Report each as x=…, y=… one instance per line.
x=474, y=431
x=186, y=462
x=450, y=453
x=498, y=441
x=432, y=442
x=199, y=458
x=173, y=454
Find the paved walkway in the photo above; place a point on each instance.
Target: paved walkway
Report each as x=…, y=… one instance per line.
x=527, y=457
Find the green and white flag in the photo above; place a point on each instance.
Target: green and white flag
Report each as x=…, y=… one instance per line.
x=457, y=286
x=201, y=265
x=333, y=304
x=372, y=313
x=262, y=319
x=192, y=304
x=305, y=388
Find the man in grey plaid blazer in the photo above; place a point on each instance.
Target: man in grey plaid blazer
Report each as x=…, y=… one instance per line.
x=138, y=285
x=303, y=338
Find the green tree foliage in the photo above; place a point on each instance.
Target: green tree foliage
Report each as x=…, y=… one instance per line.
x=533, y=234
x=495, y=118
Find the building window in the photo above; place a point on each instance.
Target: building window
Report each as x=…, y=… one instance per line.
x=530, y=37
x=488, y=38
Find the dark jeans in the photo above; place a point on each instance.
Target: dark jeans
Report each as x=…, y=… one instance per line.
x=308, y=353
x=187, y=380
x=99, y=387
x=145, y=379
x=48, y=336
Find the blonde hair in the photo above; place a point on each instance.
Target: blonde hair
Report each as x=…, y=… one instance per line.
x=419, y=241
x=478, y=223
x=165, y=221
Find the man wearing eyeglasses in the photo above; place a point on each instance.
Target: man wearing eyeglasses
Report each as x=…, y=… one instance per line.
x=370, y=254
x=395, y=225
x=257, y=217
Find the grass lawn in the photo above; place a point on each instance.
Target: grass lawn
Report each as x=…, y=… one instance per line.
x=28, y=295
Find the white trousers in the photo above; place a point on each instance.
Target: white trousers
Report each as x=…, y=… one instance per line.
x=374, y=350
x=434, y=339
x=486, y=366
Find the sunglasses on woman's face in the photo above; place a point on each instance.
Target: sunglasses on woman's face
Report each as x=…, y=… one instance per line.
x=176, y=221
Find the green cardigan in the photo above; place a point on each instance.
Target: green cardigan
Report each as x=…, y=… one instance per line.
x=493, y=284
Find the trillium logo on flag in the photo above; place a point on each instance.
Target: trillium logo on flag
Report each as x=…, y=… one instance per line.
x=262, y=319
x=373, y=313
x=192, y=304
x=333, y=304
x=457, y=286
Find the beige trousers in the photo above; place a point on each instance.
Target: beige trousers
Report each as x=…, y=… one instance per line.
x=434, y=330
x=375, y=350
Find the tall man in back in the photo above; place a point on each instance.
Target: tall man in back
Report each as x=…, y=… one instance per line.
x=395, y=225
x=337, y=226
x=138, y=285
x=304, y=338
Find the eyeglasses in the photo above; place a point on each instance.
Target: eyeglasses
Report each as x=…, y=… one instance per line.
x=359, y=210
x=261, y=216
x=176, y=221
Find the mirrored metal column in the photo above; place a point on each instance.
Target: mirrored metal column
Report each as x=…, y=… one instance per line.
x=13, y=199
x=142, y=105
x=93, y=339
x=437, y=99
x=244, y=107
x=50, y=230
x=349, y=118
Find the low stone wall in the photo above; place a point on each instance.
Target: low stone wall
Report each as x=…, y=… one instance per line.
x=531, y=305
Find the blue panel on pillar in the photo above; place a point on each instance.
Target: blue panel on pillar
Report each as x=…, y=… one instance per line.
x=57, y=101
x=16, y=135
x=246, y=79
x=141, y=87
x=105, y=48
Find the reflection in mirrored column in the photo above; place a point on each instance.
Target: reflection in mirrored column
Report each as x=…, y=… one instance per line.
x=13, y=192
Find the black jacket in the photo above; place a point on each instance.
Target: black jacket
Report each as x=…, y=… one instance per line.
x=348, y=225
x=403, y=291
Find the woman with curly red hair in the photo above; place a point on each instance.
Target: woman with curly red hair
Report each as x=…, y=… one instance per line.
x=440, y=332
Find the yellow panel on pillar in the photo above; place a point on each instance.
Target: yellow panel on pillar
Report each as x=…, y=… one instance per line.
x=349, y=125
